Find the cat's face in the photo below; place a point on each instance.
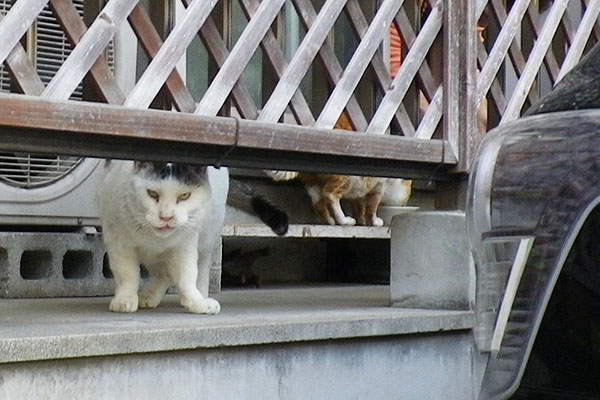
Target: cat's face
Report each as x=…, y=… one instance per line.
x=172, y=195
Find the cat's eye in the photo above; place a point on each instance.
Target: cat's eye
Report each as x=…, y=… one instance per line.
x=153, y=194
x=184, y=196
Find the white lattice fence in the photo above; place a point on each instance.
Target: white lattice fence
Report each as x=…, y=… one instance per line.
x=338, y=64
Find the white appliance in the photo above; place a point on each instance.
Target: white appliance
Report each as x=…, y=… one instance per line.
x=48, y=189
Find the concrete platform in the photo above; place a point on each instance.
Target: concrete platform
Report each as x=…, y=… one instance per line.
x=49, y=329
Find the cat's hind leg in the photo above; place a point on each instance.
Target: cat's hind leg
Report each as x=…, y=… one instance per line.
x=126, y=271
x=358, y=211
x=183, y=269
x=372, y=204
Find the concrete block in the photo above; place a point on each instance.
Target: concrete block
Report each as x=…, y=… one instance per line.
x=42, y=264
x=431, y=264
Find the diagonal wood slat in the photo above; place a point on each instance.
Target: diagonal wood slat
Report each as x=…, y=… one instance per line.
x=22, y=69
x=16, y=23
x=90, y=47
x=270, y=46
x=408, y=34
x=331, y=63
x=20, y=66
x=515, y=53
x=239, y=57
x=151, y=42
x=358, y=63
x=68, y=17
x=300, y=63
x=495, y=88
x=169, y=54
x=597, y=24
x=513, y=109
x=500, y=48
x=210, y=36
x=411, y=65
x=580, y=40
x=380, y=69
x=549, y=58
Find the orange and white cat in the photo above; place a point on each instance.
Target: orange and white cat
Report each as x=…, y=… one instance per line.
x=327, y=190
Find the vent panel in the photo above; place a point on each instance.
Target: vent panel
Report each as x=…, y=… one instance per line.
x=29, y=171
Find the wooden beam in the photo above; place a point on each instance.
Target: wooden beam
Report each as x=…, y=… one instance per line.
x=100, y=130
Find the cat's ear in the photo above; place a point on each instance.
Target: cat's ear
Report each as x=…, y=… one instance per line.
x=196, y=173
x=140, y=165
x=199, y=169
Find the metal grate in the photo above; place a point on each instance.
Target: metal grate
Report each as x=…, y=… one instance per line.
x=52, y=48
x=29, y=171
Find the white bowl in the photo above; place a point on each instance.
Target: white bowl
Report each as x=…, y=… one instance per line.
x=387, y=212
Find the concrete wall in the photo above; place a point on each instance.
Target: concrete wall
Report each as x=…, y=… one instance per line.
x=432, y=366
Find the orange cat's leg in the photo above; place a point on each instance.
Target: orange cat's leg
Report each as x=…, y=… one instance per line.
x=338, y=213
x=373, y=199
x=332, y=192
x=322, y=210
x=358, y=211
x=320, y=205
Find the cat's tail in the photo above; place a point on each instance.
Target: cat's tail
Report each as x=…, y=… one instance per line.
x=282, y=175
x=243, y=197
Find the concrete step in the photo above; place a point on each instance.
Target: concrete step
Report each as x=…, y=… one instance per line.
x=42, y=329
x=289, y=343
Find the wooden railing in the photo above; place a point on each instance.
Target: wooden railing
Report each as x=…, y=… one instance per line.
x=451, y=86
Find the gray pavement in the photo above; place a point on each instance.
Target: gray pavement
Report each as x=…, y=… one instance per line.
x=46, y=329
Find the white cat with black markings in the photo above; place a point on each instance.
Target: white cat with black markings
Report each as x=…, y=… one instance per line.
x=168, y=217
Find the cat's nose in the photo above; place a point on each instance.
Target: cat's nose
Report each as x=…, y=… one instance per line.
x=166, y=218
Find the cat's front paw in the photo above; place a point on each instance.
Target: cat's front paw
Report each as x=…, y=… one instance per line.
x=124, y=304
x=203, y=306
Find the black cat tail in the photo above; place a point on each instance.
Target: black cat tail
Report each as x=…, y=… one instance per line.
x=270, y=214
x=243, y=197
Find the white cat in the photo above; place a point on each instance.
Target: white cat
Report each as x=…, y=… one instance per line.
x=168, y=217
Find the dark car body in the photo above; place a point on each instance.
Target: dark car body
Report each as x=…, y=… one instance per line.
x=533, y=220
x=534, y=185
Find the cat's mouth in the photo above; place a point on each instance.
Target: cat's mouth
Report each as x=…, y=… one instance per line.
x=165, y=228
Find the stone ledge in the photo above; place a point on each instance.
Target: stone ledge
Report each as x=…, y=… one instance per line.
x=45, y=329
x=309, y=231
